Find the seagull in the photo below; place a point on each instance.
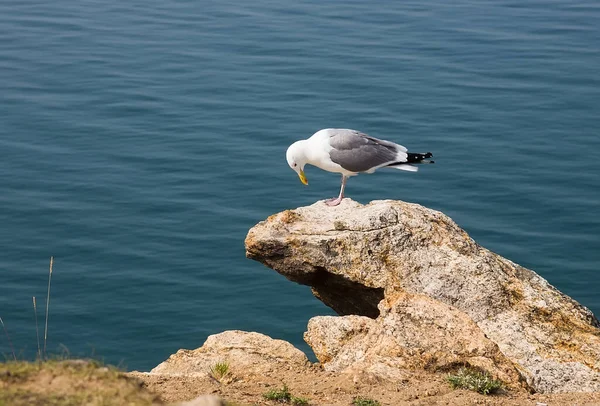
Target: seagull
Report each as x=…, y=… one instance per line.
x=350, y=152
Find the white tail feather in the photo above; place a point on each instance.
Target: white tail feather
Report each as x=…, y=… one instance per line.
x=405, y=167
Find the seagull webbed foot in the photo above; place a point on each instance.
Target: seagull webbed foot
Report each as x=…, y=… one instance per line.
x=334, y=201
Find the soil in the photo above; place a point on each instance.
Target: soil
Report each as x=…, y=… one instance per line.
x=78, y=382
x=328, y=389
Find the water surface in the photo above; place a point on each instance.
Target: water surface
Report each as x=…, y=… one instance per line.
x=139, y=142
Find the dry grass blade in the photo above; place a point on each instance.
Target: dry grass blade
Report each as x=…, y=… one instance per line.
x=37, y=329
x=8, y=338
x=48, y=305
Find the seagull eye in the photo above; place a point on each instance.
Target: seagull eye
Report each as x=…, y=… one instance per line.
x=295, y=164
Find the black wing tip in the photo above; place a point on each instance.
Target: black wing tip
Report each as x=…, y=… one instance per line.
x=416, y=158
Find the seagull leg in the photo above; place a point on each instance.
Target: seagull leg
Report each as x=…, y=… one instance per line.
x=337, y=200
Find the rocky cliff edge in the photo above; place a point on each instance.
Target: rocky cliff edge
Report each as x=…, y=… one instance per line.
x=413, y=290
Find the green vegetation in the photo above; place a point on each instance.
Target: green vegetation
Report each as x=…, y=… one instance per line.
x=219, y=371
x=360, y=401
x=69, y=383
x=472, y=379
x=283, y=395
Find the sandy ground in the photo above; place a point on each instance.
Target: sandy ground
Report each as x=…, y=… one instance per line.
x=328, y=389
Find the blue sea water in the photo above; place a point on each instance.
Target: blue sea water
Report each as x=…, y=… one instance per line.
x=140, y=140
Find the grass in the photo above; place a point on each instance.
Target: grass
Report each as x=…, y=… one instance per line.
x=283, y=395
x=475, y=380
x=19, y=397
x=69, y=383
x=360, y=401
x=19, y=371
x=219, y=371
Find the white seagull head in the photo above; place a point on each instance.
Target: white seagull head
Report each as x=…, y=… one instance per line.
x=296, y=159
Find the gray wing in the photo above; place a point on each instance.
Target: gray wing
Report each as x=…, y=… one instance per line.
x=357, y=152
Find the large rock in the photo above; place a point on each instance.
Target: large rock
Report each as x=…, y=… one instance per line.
x=247, y=352
x=353, y=256
x=396, y=341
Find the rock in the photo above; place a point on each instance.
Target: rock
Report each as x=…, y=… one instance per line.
x=354, y=256
x=204, y=400
x=246, y=353
x=395, y=341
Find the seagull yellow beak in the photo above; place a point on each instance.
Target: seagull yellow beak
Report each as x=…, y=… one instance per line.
x=302, y=177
